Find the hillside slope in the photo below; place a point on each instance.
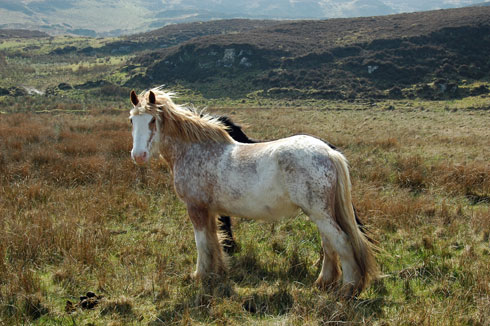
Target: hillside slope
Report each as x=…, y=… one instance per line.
x=178, y=33
x=393, y=55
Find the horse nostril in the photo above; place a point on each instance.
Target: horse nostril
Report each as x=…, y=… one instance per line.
x=141, y=157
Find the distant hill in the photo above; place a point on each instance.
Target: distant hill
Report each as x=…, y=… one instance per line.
x=115, y=18
x=178, y=33
x=21, y=33
x=388, y=56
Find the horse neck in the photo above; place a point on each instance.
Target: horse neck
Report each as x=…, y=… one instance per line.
x=172, y=149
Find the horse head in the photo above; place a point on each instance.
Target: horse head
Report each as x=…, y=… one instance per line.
x=145, y=129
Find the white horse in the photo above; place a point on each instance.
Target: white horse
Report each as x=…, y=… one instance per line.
x=213, y=174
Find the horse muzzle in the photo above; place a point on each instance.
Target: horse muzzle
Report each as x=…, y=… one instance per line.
x=140, y=158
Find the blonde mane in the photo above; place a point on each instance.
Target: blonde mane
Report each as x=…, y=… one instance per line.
x=181, y=122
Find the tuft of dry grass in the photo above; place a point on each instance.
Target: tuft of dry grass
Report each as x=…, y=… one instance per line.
x=75, y=144
x=471, y=179
x=122, y=306
x=411, y=173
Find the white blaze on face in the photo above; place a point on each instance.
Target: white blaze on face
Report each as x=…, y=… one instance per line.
x=144, y=133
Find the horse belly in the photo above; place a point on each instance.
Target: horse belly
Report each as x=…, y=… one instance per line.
x=269, y=205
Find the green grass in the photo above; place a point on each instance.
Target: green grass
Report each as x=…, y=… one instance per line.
x=31, y=63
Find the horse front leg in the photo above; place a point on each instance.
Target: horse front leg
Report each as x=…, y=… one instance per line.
x=210, y=258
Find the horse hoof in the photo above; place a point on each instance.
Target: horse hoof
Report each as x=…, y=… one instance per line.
x=196, y=275
x=349, y=292
x=325, y=285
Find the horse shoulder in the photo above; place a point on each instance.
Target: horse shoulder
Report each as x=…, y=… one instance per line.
x=196, y=172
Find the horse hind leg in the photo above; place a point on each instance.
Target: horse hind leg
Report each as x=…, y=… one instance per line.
x=330, y=272
x=340, y=244
x=210, y=259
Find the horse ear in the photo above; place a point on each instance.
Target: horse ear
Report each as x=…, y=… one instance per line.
x=152, y=98
x=134, y=98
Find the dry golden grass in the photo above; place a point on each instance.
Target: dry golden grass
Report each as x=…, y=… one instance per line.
x=77, y=215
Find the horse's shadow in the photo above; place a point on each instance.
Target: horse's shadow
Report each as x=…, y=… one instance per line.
x=202, y=301
x=247, y=269
x=199, y=301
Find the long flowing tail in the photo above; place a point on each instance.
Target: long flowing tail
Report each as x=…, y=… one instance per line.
x=345, y=217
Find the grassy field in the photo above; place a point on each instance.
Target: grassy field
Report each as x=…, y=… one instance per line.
x=76, y=215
